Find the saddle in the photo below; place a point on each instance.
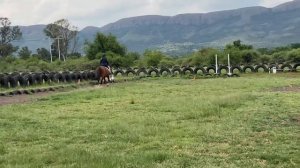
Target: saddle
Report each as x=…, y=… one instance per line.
x=107, y=68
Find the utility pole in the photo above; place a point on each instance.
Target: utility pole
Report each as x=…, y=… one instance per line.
x=217, y=64
x=229, y=67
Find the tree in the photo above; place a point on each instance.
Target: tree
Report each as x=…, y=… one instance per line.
x=205, y=56
x=103, y=44
x=240, y=52
x=8, y=33
x=153, y=58
x=294, y=55
x=250, y=56
x=63, y=34
x=279, y=57
x=235, y=55
x=167, y=62
x=295, y=45
x=74, y=55
x=131, y=58
x=238, y=44
x=43, y=54
x=24, y=53
x=265, y=59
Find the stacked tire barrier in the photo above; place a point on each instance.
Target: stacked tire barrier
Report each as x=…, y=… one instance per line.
x=205, y=70
x=12, y=80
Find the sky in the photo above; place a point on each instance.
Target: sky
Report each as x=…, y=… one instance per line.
x=82, y=13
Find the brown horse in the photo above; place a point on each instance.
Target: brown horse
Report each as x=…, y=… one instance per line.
x=102, y=73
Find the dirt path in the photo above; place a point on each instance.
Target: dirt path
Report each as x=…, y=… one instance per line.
x=20, y=99
x=290, y=88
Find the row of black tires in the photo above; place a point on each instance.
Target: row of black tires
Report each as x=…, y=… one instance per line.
x=204, y=70
x=31, y=91
x=27, y=79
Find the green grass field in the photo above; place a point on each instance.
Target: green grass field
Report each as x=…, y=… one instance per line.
x=160, y=122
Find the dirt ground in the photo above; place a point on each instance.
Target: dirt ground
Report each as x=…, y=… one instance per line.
x=290, y=88
x=20, y=99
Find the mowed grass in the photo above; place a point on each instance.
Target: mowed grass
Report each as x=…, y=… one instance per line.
x=161, y=122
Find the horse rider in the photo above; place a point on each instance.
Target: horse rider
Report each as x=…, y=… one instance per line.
x=104, y=62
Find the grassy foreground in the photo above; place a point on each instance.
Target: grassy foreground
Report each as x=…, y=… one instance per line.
x=238, y=122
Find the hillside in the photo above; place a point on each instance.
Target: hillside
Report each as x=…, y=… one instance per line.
x=260, y=26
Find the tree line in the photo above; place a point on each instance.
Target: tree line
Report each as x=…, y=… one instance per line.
x=63, y=53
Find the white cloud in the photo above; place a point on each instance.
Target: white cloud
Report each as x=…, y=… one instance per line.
x=101, y=12
x=272, y=3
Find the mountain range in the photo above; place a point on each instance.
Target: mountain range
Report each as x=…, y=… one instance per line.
x=259, y=26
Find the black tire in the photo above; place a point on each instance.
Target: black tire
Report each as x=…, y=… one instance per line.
x=79, y=76
x=164, y=69
x=15, y=74
x=68, y=77
x=92, y=75
x=118, y=71
x=84, y=75
x=200, y=68
x=23, y=80
x=13, y=81
x=26, y=92
x=141, y=70
x=74, y=76
x=236, y=67
x=39, y=78
x=261, y=66
x=17, y=92
x=211, y=68
x=295, y=67
x=248, y=67
x=3, y=94
x=176, y=69
x=286, y=66
x=129, y=70
x=153, y=70
x=187, y=69
x=31, y=79
x=223, y=67
x=60, y=77
x=208, y=75
x=53, y=77
x=233, y=75
x=46, y=77
x=4, y=81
